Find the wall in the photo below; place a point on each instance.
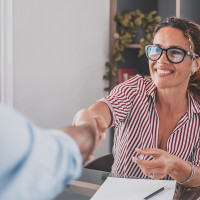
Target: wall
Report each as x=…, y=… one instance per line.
x=144, y=5
x=190, y=10
x=60, y=50
x=166, y=8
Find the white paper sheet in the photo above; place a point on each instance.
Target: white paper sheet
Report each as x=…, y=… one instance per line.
x=134, y=189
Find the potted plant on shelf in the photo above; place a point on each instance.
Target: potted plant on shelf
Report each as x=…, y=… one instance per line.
x=128, y=24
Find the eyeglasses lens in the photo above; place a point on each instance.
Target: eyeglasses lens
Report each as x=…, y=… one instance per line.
x=175, y=55
x=153, y=52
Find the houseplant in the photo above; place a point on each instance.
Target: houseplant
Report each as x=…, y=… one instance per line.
x=128, y=24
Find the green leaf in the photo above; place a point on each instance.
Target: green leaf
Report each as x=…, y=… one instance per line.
x=138, y=21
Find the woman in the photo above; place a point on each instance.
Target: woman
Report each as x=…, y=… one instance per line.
x=159, y=117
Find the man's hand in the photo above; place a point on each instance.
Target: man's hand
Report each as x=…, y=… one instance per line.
x=97, y=116
x=84, y=117
x=85, y=132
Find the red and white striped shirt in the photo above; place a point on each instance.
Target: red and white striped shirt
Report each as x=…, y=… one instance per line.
x=136, y=122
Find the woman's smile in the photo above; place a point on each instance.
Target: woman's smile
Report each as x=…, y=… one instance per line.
x=164, y=71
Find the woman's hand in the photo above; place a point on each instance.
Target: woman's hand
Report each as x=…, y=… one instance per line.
x=160, y=164
x=85, y=117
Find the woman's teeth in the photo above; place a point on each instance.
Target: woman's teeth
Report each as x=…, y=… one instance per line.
x=164, y=71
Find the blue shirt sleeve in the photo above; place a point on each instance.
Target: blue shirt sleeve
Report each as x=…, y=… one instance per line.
x=35, y=163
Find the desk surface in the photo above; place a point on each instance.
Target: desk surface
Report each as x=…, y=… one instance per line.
x=90, y=181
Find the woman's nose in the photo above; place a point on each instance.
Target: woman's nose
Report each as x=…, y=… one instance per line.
x=163, y=58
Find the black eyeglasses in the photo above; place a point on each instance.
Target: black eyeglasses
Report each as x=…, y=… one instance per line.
x=174, y=54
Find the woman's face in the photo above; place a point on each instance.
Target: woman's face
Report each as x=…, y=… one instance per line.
x=164, y=73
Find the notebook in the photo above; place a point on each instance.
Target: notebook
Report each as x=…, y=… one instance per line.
x=134, y=189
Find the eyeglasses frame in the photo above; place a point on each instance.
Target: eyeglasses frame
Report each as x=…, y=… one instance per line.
x=184, y=51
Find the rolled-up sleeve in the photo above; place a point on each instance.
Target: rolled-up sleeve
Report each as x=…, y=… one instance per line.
x=120, y=100
x=35, y=163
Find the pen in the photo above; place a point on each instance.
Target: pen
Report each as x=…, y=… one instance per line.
x=156, y=192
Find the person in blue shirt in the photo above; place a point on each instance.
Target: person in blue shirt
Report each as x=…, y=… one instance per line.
x=37, y=163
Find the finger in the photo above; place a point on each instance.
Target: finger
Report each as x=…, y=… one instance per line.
x=101, y=124
x=149, y=164
x=156, y=175
x=157, y=171
x=91, y=157
x=79, y=118
x=74, y=121
x=103, y=135
x=150, y=152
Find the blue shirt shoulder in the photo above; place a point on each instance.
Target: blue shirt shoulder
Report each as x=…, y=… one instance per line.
x=36, y=163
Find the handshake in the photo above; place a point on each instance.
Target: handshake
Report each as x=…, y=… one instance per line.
x=87, y=130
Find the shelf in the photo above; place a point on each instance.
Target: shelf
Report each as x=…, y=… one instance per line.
x=133, y=46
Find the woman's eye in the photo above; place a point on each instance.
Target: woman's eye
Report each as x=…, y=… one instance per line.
x=175, y=52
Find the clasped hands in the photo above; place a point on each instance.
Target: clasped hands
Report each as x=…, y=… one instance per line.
x=85, y=117
x=160, y=163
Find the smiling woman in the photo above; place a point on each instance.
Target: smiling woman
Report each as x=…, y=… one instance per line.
x=159, y=117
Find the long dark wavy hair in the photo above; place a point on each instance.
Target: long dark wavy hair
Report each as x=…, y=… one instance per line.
x=191, y=31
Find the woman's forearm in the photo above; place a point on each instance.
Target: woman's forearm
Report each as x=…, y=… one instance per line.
x=102, y=111
x=182, y=171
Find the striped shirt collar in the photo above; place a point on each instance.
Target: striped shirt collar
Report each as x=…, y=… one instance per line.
x=193, y=105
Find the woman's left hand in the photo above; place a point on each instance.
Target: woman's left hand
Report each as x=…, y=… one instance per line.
x=160, y=165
